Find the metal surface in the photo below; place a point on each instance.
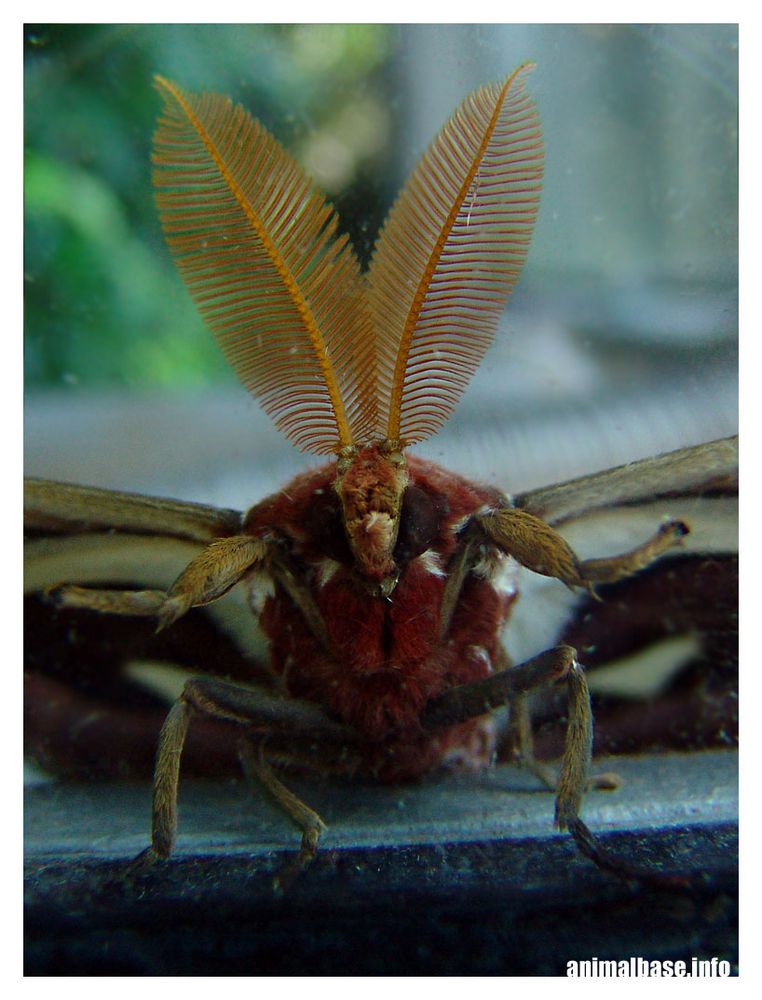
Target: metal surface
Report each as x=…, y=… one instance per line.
x=452, y=877
x=113, y=821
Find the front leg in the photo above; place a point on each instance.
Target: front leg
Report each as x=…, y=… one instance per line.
x=206, y=578
x=258, y=771
x=558, y=664
x=540, y=548
x=519, y=738
x=293, y=730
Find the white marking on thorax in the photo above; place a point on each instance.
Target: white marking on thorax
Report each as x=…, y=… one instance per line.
x=499, y=570
x=431, y=562
x=326, y=570
x=260, y=586
x=457, y=526
x=480, y=653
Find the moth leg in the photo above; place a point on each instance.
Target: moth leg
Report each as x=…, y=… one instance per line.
x=210, y=575
x=557, y=664
x=540, y=548
x=297, y=724
x=258, y=770
x=139, y=603
x=520, y=738
x=521, y=741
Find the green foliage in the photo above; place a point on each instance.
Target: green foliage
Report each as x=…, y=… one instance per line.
x=103, y=303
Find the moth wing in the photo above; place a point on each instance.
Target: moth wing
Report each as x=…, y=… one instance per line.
x=112, y=671
x=709, y=469
x=661, y=647
x=64, y=507
x=97, y=537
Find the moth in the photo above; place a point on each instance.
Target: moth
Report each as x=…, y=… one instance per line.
x=381, y=581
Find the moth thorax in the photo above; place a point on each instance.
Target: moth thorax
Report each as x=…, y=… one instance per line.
x=370, y=483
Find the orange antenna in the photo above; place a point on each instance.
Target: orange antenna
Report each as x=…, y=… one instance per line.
x=256, y=245
x=450, y=254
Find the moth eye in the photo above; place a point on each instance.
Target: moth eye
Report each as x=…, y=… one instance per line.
x=419, y=524
x=325, y=527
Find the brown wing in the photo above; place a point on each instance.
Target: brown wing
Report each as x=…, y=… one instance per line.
x=661, y=647
x=710, y=468
x=97, y=687
x=64, y=507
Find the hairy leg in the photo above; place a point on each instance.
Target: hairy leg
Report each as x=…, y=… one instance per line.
x=292, y=726
x=540, y=548
x=207, y=577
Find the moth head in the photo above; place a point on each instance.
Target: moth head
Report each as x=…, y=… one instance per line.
x=370, y=483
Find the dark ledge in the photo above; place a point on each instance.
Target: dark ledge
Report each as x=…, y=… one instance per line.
x=454, y=877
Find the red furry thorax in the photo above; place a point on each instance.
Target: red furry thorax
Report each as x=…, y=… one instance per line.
x=384, y=656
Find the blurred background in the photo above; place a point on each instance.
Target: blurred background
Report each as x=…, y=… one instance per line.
x=620, y=341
